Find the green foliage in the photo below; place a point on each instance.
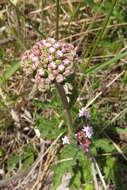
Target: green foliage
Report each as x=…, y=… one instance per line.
x=27, y=158
x=103, y=144
x=78, y=166
x=111, y=171
x=48, y=128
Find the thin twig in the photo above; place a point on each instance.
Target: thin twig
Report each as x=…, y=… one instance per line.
x=93, y=172
x=99, y=172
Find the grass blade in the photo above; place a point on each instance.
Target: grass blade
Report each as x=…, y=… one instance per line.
x=9, y=73
x=105, y=64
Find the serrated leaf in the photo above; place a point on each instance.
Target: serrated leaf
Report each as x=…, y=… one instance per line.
x=48, y=128
x=104, y=144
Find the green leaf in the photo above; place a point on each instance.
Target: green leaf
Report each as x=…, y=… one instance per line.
x=48, y=127
x=76, y=180
x=88, y=187
x=12, y=162
x=9, y=73
x=29, y=159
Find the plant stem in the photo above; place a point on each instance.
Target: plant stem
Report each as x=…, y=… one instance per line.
x=42, y=16
x=57, y=20
x=65, y=106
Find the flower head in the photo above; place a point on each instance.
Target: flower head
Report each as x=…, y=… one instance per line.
x=49, y=59
x=84, y=113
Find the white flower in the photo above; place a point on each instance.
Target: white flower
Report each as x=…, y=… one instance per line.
x=65, y=140
x=88, y=131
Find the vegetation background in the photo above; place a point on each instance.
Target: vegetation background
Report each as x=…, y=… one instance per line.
x=31, y=122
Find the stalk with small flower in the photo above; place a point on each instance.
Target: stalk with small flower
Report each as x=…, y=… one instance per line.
x=50, y=63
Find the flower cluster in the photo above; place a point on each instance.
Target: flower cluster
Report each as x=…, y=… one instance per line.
x=50, y=61
x=83, y=137
x=84, y=134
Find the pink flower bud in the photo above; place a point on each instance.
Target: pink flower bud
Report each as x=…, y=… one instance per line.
x=61, y=67
x=60, y=78
x=67, y=72
x=59, y=53
x=52, y=50
x=41, y=85
x=37, y=63
x=35, y=58
x=52, y=65
x=26, y=70
x=37, y=52
x=47, y=44
x=70, y=58
x=47, y=81
x=56, y=45
x=66, y=62
x=55, y=72
x=51, y=40
x=31, y=56
x=50, y=57
x=41, y=72
x=51, y=76
x=33, y=66
x=35, y=47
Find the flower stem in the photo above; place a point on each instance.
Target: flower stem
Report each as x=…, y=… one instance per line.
x=65, y=106
x=57, y=20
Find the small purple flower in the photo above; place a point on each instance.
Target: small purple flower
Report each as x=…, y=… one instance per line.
x=88, y=131
x=65, y=140
x=84, y=113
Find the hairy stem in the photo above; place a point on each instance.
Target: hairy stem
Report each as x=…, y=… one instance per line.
x=65, y=106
